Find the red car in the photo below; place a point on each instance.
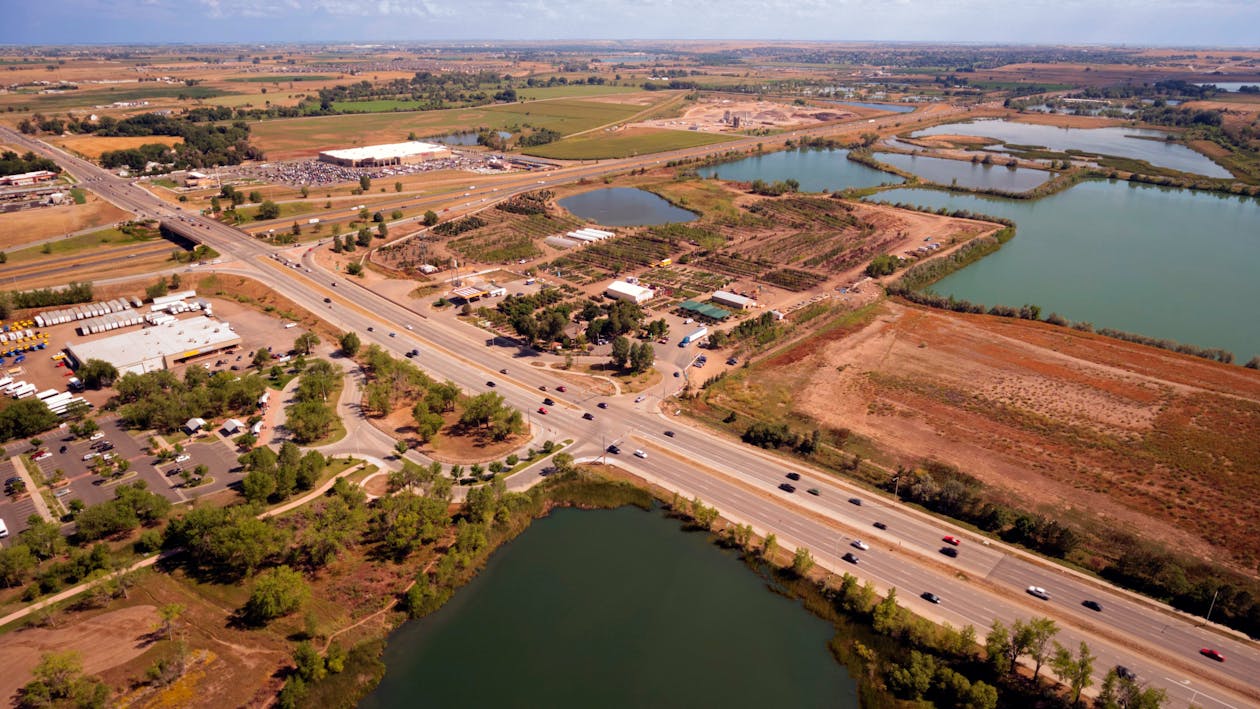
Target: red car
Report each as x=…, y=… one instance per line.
x=951, y=540
x=542, y=410
x=1213, y=654
x=562, y=388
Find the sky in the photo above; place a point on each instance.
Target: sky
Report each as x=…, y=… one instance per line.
x=1140, y=22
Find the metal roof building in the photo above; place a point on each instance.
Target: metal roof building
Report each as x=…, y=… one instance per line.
x=412, y=151
x=158, y=347
x=620, y=290
x=733, y=300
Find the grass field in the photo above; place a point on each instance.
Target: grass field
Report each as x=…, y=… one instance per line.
x=84, y=99
x=26, y=226
x=298, y=137
x=281, y=78
x=75, y=244
x=574, y=90
x=633, y=141
x=287, y=209
x=377, y=106
x=91, y=146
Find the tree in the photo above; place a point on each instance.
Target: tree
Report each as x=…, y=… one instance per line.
x=268, y=210
x=42, y=538
x=15, y=563
x=277, y=592
x=262, y=358
x=1125, y=693
x=770, y=547
x=621, y=351
x=306, y=342
x=308, y=662
x=430, y=218
x=26, y=417
x=310, y=421
x=382, y=230
x=365, y=182
x=1074, y=671
x=96, y=374
x=349, y=343
x=642, y=357
x=886, y=618
x=1041, y=631
x=427, y=422
x=157, y=290
x=1005, y=645
x=398, y=187
x=170, y=614
x=802, y=562
x=914, y=678
x=59, y=681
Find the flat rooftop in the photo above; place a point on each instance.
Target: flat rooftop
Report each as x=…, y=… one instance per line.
x=386, y=151
x=181, y=338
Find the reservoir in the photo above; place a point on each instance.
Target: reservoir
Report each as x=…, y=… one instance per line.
x=816, y=170
x=1165, y=263
x=895, y=108
x=967, y=174
x=1137, y=143
x=625, y=206
x=614, y=609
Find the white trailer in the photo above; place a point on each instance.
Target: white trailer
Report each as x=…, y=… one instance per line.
x=47, y=394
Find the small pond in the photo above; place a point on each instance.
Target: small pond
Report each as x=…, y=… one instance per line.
x=625, y=206
x=816, y=170
x=967, y=174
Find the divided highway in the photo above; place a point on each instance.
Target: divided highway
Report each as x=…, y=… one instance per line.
x=986, y=580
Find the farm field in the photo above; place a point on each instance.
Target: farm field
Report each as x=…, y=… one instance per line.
x=574, y=90
x=625, y=143
x=30, y=225
x=101, y=97
x=302, y=137
x=1103, y=432
x=91, y=146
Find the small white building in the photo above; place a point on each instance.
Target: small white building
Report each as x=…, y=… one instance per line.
x=620, y=290
x=194, y=424
x=733, y=300
x=232, y=426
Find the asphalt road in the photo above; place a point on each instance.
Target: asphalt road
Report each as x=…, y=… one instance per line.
x=983, y=583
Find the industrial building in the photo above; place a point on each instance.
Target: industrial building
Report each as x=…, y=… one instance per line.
x=159, y=347
x=408, y=153
x=28, y=178
x=733, y=300
x=620, y=290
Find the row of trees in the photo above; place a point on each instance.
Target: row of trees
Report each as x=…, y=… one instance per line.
x=161, y=400
x=273, y=477
x=71, y=294
x=13, y=164
x=311, y=416
x=637, y=357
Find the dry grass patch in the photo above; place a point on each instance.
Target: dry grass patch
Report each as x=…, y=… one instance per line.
x=31, y=225
x=91, y=146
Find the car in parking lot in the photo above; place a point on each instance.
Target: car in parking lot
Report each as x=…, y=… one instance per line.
x=880, y=525
x=930, y=597
x=97, y=436
x=90, y=455
x=851, y=557
x=4, y=529
x=1212, y=654
x=182, y=458
x=793, y=476
x=859, y=544
x=787, y=487
x=1092, y=605
x=1039, y=592
x=41, y=455
x=949, y=539
x=588, y=416
x=951, y=552
x=174, y=471
x=855, y=501
x=640, y=453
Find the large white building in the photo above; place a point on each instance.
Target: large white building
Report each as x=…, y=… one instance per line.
x=158, y=347
x=733, y=300
x=412, y=151
x=620, y=290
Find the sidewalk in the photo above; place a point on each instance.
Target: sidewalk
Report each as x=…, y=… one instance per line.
x=41, y=507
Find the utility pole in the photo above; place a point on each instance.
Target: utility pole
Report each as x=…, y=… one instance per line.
x=1208, y=619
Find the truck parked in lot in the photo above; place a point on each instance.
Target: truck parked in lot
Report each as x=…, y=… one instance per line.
x=695, y=336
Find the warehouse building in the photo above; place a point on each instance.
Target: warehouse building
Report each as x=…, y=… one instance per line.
x=159, y=347
x=733, y=300
x=620, y=290
x=409, y=153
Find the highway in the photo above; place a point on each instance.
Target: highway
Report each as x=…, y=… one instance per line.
x=985, y=581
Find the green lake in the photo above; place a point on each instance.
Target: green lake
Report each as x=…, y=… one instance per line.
x=614, y=609
x=1166, y=263
x=815, y=169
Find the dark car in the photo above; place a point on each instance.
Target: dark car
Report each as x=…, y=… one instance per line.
x=542, y=388
x=787, y=487
x=548, y=402
x=855, y=501
x=951, y=552
x=793, y=476
x=669, y=433
x=851, y=558
x=562, y=388
x=1092, y=605
x=814, y=491
x=880, y=525
x=1125, y=673
x=602, y=404
x=930, y=597
x=491, y=384
x=614, y=449
x=327, y=300
x=410, y=355
x=588, y=416
x=371, y=329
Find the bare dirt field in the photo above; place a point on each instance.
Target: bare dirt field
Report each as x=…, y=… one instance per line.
x=1097, y=430
x=91, y=146
x=31, y=225
x=103, y=642
x=729, y=115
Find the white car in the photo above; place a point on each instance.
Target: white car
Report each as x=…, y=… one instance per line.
x=640, y=453
x=182, y=457
x=410, y=327
x=639, y=398
x=1039, y=592
x=4, y=529
x=859, y=544
x=91, y=455
x=97, y=436
x=42, y=455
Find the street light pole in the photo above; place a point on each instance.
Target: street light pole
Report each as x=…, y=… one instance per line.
x=1208, y=619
